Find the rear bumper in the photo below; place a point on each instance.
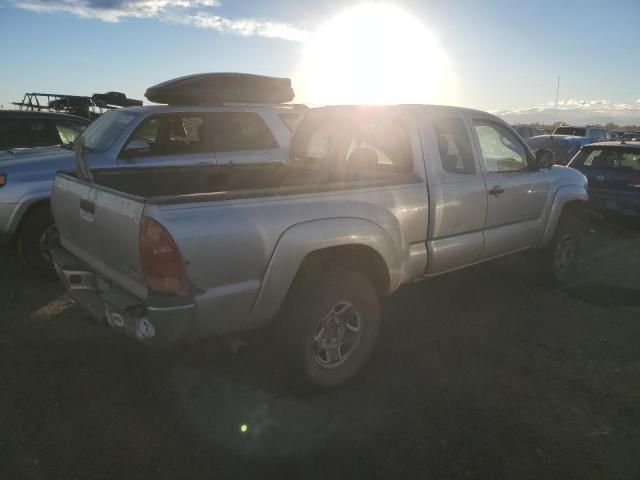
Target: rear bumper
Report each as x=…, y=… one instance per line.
x=621, y=204
x=167, y=320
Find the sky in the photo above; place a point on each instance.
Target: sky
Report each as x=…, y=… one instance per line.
x=501, y=56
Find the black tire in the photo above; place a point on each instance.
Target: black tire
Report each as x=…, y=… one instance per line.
x=32, y=239
x=557, y=262
x=340, y=299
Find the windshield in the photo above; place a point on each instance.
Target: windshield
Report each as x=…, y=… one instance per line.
x=101, y=134
x=578, y=132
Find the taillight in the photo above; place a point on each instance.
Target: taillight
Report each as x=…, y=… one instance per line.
x=634, y=181
x=162, y=263
x=3, y=179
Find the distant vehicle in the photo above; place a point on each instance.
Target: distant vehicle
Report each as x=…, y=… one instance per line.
x=145, y=136
x=526, y=132
x=564, y=147
x=596, y=134
x=371, y=198
x=617, y=135
x=613, y=170
x=26, y=130
x=631, y=136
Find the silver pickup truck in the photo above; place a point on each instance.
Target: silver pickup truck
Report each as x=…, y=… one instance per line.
x=136, y=137
x=371, y=198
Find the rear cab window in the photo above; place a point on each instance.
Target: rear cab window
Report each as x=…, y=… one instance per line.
x=373, y=141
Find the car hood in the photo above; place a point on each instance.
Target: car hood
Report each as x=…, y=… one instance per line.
x=42, y=160
x=22, y=154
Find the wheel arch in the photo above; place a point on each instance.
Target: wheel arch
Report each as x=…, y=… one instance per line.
x=26, y=210
x=353, y=242
x=568, y=199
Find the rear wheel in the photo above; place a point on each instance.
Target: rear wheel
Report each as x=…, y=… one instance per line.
x=33, y=239
x=558, y=261
x=329, y=325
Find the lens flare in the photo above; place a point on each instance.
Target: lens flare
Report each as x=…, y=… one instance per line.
x=374, y=54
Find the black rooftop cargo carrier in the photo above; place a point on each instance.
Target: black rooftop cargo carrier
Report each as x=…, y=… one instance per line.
x=216, y=88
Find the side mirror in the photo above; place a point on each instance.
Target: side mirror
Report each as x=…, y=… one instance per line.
x=545, y=158
x=136, y=147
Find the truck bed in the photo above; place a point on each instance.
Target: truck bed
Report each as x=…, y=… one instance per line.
x=218, y=182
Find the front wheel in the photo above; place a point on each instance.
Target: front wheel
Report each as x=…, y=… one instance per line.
x=558, y=261
x=329, y=324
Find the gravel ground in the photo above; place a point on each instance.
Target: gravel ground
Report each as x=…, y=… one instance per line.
x=478, y=374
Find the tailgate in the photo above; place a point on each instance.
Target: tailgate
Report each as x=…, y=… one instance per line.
x=101, y=227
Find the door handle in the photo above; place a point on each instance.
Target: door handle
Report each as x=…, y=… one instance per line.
x=87, y=206
x=496, y=191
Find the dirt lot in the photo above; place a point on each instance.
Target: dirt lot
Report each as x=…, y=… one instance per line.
x=479, y=374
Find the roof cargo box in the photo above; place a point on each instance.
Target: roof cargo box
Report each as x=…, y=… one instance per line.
x=216, y=88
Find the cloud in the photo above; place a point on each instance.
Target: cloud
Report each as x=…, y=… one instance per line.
x=576, y=111
x=245, y=27
x=112, y=10
x=186, y=12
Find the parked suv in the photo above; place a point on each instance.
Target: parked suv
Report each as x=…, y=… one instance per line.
x=26, y=129
x=138, y=137
x=613, y=170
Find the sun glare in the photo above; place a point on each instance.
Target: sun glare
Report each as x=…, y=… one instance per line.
x=374, y=54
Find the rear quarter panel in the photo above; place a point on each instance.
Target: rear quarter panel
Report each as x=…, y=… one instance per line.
x=228, y=245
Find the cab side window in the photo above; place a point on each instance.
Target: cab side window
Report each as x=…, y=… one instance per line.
x=238, y=131
x=173, y=134
x=454, y=145
x=27, y=133
x=501, y=150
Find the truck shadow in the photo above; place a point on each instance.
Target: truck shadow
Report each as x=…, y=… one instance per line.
x=606, y=295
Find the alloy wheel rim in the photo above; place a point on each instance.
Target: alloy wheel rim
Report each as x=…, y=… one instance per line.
x=337, y=335
x=50, y=233
x=564, y=253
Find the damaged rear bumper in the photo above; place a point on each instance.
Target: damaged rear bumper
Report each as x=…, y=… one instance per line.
x=159, y=320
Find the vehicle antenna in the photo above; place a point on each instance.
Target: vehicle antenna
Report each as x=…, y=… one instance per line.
x=555, y=109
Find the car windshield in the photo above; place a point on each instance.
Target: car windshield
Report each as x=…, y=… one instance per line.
x=578, y=132
x=104, y=131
